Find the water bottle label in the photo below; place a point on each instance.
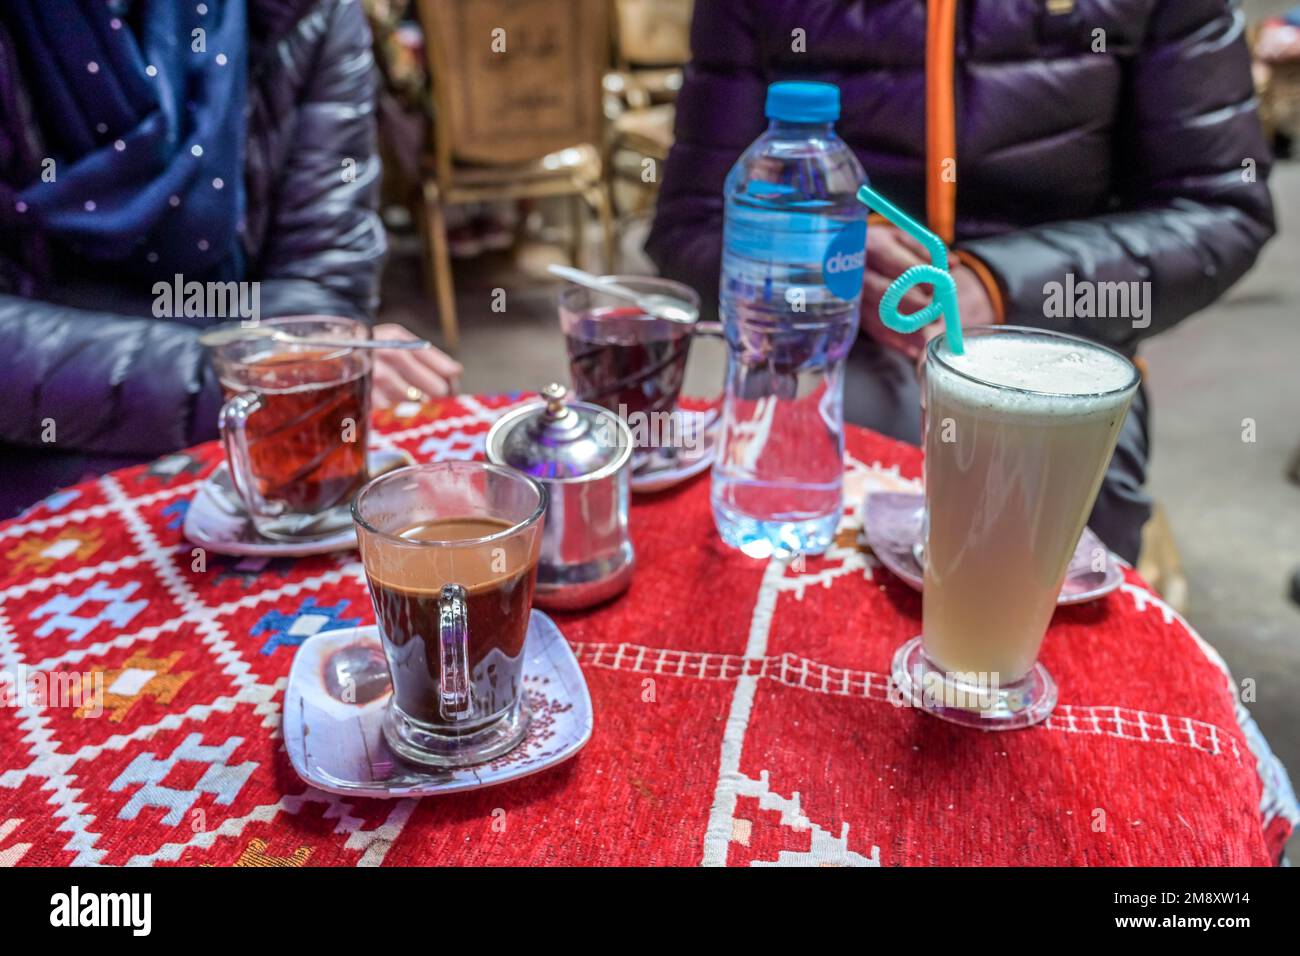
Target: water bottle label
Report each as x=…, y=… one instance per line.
x=845, y=258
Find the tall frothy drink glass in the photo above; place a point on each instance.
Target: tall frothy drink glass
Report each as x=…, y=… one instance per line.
x=1019, y=432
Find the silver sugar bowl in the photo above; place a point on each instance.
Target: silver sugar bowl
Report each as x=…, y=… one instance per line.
x=582, y=453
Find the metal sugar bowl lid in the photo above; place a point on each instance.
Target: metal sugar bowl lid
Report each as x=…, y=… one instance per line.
x=582, y=453
x=561, y=440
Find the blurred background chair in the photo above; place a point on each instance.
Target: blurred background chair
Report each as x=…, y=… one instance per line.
x=517, y=114
x=651, y=44
x=1275, y=51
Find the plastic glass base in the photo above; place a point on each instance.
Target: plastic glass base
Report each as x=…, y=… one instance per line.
x=434, y=745
x=923, y=684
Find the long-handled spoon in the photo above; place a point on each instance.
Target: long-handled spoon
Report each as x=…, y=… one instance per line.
x=215, y=338
x=659, y=306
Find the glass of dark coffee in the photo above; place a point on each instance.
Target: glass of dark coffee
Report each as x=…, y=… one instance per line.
x=629, y=361
x=450, y=552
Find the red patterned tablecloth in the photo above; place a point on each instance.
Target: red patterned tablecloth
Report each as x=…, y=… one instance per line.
x=743, y=713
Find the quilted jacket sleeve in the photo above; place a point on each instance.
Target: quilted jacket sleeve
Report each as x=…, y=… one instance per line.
x=325, y=244
x=719, y=113
x=1195, y=208
x=106, y=383
x=118, y=385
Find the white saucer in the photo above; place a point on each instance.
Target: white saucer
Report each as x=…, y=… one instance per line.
x=669, y=467
x=339, y=746
x=891, y=525
x=216, y=518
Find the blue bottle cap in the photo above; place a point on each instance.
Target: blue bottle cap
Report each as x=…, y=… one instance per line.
x=801, y=102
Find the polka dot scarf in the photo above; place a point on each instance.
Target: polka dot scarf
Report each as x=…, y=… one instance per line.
x=124, y=126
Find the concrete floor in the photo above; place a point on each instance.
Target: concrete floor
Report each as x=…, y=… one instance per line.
x=1235, y=516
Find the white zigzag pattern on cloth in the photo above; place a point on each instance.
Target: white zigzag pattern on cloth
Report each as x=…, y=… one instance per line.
x=11, y=855
x=1277, y=799
x=56, y=769
x=825, y=849
x=102, y=510
x=792, y=670
x=63, y=578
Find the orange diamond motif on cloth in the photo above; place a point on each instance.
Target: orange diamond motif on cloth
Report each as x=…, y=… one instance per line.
x=138, y=677
x=40, y=554
x=255, y=855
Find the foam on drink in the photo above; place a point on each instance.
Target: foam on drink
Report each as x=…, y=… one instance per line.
x=1034, y=376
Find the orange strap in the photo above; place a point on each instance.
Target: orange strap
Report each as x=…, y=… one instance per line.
x=990, y=282
x=941, y=117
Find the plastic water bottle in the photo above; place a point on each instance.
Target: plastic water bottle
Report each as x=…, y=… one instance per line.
x=794, y=245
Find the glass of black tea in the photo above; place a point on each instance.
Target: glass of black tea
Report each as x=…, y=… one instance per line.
x=628, y=361
x=450, y=552
x=295, y=425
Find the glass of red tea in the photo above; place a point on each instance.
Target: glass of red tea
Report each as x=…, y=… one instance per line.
x=295, y=425
x=628, y=361
x=450, y=552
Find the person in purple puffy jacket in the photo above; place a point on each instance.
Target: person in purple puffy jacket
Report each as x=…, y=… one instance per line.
x=1096, y=166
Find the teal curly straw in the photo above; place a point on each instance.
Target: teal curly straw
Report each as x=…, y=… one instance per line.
x=944, y=301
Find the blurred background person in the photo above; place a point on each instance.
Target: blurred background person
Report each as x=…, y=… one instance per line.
x=1049, y=144
x=244, y=151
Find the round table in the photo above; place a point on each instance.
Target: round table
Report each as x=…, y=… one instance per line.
x=743, y=712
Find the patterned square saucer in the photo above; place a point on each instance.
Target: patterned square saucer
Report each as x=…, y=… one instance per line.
x=339, y=747
x=216, y=518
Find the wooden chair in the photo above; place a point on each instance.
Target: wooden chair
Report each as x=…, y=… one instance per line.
x=651, y=40
x=517, y=115
x=1161, y=563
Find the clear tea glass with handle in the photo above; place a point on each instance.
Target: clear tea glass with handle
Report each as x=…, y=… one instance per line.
x=450, y=553
x=633, y=363
x=295, y=425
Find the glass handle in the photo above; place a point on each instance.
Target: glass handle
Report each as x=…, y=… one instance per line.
x=234, y=438
x=453, y=645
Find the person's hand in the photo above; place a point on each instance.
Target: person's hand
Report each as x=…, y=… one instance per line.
x=403, y=376
x=1278, y=42
x=890, y=253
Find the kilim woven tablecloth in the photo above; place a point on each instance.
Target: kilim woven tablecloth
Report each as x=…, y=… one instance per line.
x=743, y=713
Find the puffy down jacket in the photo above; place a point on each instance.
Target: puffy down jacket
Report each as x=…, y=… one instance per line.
x=121, y=384
x=1103, y=140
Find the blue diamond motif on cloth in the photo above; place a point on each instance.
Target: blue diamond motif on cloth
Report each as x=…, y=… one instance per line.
x=60, y=500
x=175, y=513
x=116, y=610
x=290, y=630
x=220, y=779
